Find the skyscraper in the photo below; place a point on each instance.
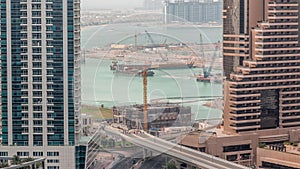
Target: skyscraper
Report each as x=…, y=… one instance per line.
x=40, y=79
x=261, y=65
x=261, y=87
x=153, y=4
x=194, y=11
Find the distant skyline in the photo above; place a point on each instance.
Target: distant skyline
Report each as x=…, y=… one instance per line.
x=111, y=4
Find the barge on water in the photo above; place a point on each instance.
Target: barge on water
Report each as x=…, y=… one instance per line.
x=217, y=78
x=173, y=65
x=122, y=66
x=133, y=72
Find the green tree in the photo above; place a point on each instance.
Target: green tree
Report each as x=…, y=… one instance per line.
x=262, y=145
x=27, y=159
x=3, y=164
x=16, y=160
x=38, y=165
x=171, y=165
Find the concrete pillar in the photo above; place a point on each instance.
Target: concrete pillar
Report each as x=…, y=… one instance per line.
x=190, y=166
x=145, y=151
x=123, y=144
x=178, y=164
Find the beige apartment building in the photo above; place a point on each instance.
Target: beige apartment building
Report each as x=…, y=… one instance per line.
x=261, y=115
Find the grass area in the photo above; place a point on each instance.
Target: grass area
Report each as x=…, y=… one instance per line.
x=119, y=144
x=97, y=112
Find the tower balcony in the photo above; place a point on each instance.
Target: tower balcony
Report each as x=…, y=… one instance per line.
x=276, y=4
x=245, y=121
x=282, y=17
x=244, y=108
x=245, y=127
x=245, y=114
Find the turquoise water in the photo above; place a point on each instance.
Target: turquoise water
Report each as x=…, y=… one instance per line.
x=101, y=86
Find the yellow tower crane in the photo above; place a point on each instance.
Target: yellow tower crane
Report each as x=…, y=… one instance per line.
x=145, y=83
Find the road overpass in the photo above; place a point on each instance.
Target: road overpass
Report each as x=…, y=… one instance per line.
x=196, y=158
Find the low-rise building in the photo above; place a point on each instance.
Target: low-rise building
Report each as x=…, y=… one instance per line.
x=87, y=120
x=159, y=116
x=249, y=148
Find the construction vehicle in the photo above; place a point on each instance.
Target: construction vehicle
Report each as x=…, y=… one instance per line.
x=207, y=76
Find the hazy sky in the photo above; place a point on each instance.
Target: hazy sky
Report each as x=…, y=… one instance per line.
x=98, y=4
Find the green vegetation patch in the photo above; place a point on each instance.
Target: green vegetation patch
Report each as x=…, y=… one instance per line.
x=97, y=112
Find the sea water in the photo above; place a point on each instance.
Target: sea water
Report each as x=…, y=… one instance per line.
x=101, y=86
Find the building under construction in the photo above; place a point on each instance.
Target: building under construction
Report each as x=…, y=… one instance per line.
x=195, y=11
x=158, y=116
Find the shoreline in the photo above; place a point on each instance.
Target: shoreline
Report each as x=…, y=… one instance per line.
x=83, y=28
x=148, y=58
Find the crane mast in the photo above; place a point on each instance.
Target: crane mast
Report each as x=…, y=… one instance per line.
x=145, y=111
x=207, y=71
x=153, y=43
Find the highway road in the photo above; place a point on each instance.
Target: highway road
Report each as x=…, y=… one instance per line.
x=123, y=163
x=155, y=163
x=199, y=159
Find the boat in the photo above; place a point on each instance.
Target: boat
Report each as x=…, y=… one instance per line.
x=217, y=78
x=201, y=78
x=130, y=69
x=116, y=66
x=133, y=72
x=175, y=65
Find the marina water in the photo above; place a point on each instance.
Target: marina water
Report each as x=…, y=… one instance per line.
x=101, y=86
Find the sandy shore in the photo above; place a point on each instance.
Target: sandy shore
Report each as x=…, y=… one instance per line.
x=179, y=54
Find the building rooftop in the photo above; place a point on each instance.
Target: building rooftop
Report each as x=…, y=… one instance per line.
x=196, y=138
x=84, y=140
x=293, y=149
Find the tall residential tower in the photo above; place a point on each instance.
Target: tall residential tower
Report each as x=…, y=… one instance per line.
x=193, y=11
x=261, y=115
x=40, y=79
x=261, y=65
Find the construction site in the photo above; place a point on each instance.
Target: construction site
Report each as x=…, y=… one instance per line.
x=151, y=51
x=144, y=53
x=151, y=116
x=158, y=116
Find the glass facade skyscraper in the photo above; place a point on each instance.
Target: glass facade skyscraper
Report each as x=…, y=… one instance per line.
x=40, y=75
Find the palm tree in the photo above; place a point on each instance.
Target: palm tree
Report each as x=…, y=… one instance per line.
x=16, y=160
